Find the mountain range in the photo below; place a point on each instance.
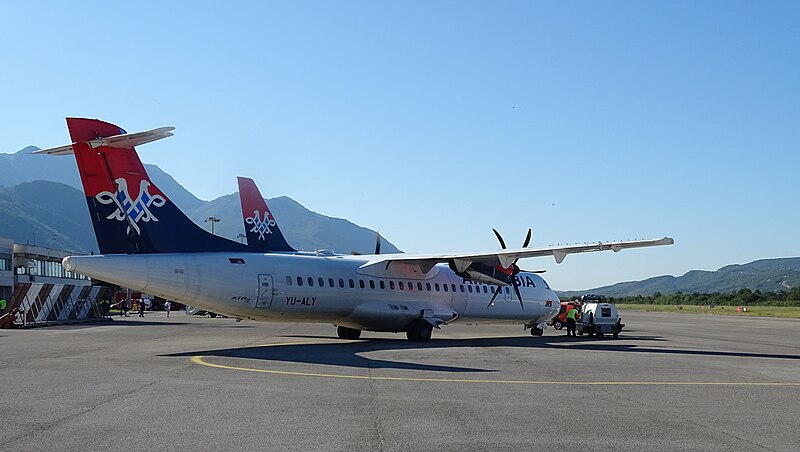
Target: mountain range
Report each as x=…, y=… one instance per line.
x=42, y=202
x=766, y=275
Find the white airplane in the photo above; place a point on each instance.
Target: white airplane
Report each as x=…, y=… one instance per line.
x=148, y=244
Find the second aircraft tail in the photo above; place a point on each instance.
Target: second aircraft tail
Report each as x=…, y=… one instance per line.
x=260, y=226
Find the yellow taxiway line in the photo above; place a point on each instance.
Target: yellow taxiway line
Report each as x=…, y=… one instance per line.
x=199, y=359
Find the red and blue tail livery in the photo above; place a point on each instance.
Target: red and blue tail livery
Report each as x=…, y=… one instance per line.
x=129, y=213
x=260, y=226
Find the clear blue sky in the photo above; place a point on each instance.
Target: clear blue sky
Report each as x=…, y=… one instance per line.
x=436, y=121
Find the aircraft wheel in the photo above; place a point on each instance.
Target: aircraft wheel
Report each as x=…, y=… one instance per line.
x=419, y=331
x=537, y=332
x=347, y=333
x=616, y=335
x=557, y=324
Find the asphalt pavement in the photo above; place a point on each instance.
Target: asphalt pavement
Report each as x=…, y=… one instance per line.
x=670, y=382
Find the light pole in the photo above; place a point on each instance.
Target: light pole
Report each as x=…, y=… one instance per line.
x=212, y=220
x=241, y=237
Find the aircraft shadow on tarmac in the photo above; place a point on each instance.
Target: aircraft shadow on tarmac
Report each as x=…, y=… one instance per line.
x=350, y=353
x=118, y=322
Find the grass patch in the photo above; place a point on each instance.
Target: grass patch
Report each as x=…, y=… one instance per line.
x=752, y=311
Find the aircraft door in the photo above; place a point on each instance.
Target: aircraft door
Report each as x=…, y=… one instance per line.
x=459, y=303
x=264, y=291
x=508, y=293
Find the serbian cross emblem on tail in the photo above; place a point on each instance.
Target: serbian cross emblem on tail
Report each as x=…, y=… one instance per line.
x=260, y=226
x=134, y=210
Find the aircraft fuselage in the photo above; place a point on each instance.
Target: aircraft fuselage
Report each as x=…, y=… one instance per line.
x=330, y=289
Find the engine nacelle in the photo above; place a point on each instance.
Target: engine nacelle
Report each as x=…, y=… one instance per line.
x=486, y=274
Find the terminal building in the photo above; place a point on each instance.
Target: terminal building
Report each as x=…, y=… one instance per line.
x=39, y=291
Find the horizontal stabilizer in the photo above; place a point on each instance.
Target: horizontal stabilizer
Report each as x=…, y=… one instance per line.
x=124, y=141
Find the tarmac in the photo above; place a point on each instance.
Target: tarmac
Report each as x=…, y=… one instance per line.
x=670, y=382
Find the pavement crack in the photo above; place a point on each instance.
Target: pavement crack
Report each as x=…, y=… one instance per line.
x=376, y=422
x=57, y=422
x=685, y=419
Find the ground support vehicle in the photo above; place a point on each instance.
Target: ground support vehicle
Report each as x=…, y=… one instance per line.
x=560, y=320
x=599, y=319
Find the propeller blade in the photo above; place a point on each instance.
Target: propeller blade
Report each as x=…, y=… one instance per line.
x=516, y=290
x=527, y=238
x=496, y=292
x=378, y=243
x=502, y=242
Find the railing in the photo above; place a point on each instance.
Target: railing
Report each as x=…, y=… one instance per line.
x=62, y=304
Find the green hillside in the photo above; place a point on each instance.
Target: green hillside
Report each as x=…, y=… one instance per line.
x=767, y=275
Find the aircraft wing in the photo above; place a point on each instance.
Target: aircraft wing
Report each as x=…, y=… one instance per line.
x=505, y=258
x=127, y=140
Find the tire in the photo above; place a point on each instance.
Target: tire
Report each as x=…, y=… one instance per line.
x=419, y=331
x=537, y=332
x=616, y=335
x=557, y=324
x=347, y=333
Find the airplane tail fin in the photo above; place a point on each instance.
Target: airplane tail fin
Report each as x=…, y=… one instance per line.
x=260, y=226
x=129, y=213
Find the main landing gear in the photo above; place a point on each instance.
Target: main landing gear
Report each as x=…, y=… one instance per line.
x=419, y=331
x=537, y=331
x=347, y=333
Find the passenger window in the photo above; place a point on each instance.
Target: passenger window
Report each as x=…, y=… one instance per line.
x=330, y=282
x=361, y=283
x=391, y=285
x=299, y=280
x=371, y=283
x=444, y=286
x=288, y=280
x=453, y=287
x=428, y=286
x=383, y=285
x=341, y=283
x=320, y=282
x=605, y=312
x=400, y=285
x=469, y=289
x=436, y=286
x=507, y=290
x=462, y=288
x=310, y=282
x=419, y=286
x=485, y=289
x=411, y=286
x=352, y=284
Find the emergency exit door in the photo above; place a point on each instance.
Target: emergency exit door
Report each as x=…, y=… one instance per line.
x=264, y=291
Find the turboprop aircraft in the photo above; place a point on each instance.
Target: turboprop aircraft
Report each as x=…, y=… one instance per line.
x=148, y=244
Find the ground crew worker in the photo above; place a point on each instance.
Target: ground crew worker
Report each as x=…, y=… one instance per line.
x=3, y=304
x=572, y=319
